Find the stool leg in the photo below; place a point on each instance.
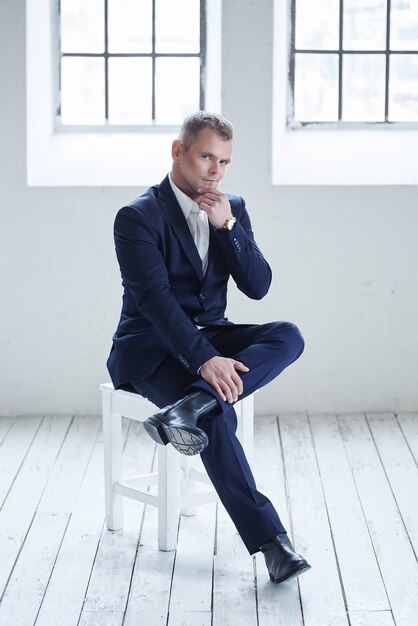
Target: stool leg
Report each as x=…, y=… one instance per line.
x=112, y=445
x=167, y=497
x=245, y=429
x=186, y=483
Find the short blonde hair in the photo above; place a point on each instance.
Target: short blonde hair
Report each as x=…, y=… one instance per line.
x=196, y=122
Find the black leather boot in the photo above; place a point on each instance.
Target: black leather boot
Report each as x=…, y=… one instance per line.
x=176, y=423
x=281, y=559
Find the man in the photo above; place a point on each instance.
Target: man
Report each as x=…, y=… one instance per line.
x=177, y=245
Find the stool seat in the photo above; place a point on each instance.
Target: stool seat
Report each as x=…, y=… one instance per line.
x=176, y=476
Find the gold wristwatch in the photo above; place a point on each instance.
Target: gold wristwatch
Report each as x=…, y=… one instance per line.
x=228, y=226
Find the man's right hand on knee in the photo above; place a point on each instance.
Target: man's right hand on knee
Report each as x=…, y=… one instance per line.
x=222, y=374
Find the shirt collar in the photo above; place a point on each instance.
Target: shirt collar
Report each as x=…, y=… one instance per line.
x=187, y=205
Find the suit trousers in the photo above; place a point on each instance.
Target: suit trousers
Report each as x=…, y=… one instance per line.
x=266, y=349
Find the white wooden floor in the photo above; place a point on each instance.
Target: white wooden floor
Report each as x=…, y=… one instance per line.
x=346, y=488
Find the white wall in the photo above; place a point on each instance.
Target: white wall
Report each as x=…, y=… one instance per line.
x=344, y=258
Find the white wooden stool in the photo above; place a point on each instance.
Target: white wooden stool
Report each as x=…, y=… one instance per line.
x=175, y=488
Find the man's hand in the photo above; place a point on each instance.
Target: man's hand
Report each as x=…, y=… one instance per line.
x=221, y=374
x=216, y=205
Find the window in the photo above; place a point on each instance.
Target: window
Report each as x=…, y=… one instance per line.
x=334, y=152
x=353, y=61
x=131, y=62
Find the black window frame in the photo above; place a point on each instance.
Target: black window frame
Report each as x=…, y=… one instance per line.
x=201, y=55
x=387, y=52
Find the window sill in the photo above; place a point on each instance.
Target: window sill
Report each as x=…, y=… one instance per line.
x=345, y=157
x=94, y=159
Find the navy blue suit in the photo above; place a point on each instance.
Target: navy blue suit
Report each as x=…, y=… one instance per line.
x=158, y=348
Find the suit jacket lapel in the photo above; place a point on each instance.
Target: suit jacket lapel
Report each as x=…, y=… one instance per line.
x=168, y=203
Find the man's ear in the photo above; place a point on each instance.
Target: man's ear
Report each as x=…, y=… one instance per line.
x=176, y=149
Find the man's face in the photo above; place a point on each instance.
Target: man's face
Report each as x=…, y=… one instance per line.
x=203, y=165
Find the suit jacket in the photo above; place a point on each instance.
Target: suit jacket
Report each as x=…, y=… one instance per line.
x=165, y=293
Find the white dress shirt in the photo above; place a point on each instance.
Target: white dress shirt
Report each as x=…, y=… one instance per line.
x=197, y=221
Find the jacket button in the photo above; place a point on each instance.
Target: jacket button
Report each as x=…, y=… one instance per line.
x=195, y=318
x=202, y=295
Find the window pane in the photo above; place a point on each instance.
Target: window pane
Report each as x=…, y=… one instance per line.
x=130, y=26
x=130, y=91
x=404, y=25
x=82, y=90
x=364, y=25
x=82, y=26
x=317, y=24
x=364, y=88
x=403, y=88
x=177, y=89
x=316, y=87
x=177, y=26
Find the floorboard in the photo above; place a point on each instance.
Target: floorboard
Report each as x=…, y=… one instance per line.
x=360, y=575
x=409, y=425
x=14, y=448
x=278, y=605
x=346, y=488
x=390, y=540
x=234, y=597
x=191, y=590
x=5, y=425
x=67, y=588
x=400, y=469
x=321, y=591
x=20, y=507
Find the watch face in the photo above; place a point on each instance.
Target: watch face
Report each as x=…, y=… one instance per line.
x=231, y=223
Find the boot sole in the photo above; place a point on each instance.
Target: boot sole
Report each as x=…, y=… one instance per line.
x=181, y=439
x=294, y=574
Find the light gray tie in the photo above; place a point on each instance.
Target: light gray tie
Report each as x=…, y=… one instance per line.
x=199, y=230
